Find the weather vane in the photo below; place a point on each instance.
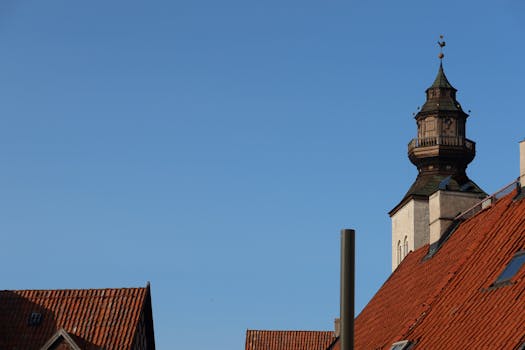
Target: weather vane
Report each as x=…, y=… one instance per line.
x=441, y=44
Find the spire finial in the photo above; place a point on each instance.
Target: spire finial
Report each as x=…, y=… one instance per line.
x=441, y=44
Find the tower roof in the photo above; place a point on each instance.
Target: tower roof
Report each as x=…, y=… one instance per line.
x=441, y=95
x=441, y=80
x=426, y=185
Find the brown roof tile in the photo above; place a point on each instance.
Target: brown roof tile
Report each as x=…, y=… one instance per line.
x=288, y=340
x=95, y=318
x=445, y=302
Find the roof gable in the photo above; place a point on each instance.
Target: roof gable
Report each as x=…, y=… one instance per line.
x=61, y=340
x=94, y=318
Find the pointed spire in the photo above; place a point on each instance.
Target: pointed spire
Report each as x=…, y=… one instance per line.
x=441, y=96
x=441, y=80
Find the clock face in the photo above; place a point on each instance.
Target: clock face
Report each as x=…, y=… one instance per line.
x=448, y=123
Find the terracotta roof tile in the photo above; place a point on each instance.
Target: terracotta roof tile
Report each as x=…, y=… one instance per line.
x=96, y=318
x=446, y=302
x=288, y=340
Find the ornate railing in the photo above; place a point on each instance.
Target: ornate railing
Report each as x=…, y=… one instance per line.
x=441, y=140
x=488, y=201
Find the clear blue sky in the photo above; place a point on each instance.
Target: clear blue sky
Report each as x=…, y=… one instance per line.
x=216, y=148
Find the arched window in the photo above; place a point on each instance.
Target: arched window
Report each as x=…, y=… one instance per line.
x=405, y=247
x=399, y=256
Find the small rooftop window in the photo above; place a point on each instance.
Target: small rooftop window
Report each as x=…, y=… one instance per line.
x=401, y=345
x=512, y=268
x=35, y=318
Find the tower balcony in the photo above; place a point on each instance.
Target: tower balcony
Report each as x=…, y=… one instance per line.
x=441, y=152
x=452, y=141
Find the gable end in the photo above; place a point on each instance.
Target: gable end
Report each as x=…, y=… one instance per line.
x=61, y=340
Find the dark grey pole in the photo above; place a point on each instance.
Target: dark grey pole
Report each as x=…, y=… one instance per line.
x=347, y=288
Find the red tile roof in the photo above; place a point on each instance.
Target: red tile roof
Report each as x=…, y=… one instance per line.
x=446, y=302
x=95, y=318
x=288, y=340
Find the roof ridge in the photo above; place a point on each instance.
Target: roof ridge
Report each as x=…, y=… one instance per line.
x=69, y=289
x=502, y=193
x=293, y=339
x=288, y=330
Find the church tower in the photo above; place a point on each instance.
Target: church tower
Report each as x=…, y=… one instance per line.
x=441, y=153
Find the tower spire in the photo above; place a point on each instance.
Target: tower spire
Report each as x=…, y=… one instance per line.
x=441, y=79
x=441, y=152
x=441, y=149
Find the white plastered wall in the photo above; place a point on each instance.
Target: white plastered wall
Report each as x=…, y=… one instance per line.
x=410, y=221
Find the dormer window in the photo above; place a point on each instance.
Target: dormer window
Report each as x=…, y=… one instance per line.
x=401, y=345
x=511, y=270
x=35, y=318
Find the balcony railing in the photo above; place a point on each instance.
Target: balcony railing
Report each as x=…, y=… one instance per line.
x=489, y=200
x=441, y=140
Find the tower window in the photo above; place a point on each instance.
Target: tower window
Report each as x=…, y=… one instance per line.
x=512, y=268
x=405, y=247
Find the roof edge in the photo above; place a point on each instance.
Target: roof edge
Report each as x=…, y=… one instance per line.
x=147, y=312
x=68, y=289
x=404, y=201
